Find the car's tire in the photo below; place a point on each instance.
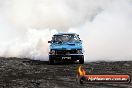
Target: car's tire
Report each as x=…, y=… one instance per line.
x=81, y=60
x=51, y=61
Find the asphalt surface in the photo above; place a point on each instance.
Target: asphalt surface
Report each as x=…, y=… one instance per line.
x=26, y=73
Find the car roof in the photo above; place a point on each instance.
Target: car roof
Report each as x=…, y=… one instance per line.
x=65, y=34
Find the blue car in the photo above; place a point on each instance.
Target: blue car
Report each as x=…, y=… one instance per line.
x=66, y=47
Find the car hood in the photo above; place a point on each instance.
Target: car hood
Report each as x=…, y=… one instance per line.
x=66, y=46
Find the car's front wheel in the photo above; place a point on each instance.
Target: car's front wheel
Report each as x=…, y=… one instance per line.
x=51, y=60
x=81, y=60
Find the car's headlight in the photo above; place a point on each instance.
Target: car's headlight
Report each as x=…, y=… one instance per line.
x=52, y=52
x=79, y=51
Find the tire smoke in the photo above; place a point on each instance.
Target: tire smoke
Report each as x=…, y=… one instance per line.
x=105, y=26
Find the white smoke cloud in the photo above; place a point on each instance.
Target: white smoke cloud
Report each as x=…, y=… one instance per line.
x=109, y=36
x=103, y=25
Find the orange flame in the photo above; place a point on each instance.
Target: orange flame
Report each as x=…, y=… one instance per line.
x=81, y=71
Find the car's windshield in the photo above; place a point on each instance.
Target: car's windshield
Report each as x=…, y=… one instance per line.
x=66, y=38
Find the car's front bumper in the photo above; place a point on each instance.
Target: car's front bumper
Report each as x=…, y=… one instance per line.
x=69, y=57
